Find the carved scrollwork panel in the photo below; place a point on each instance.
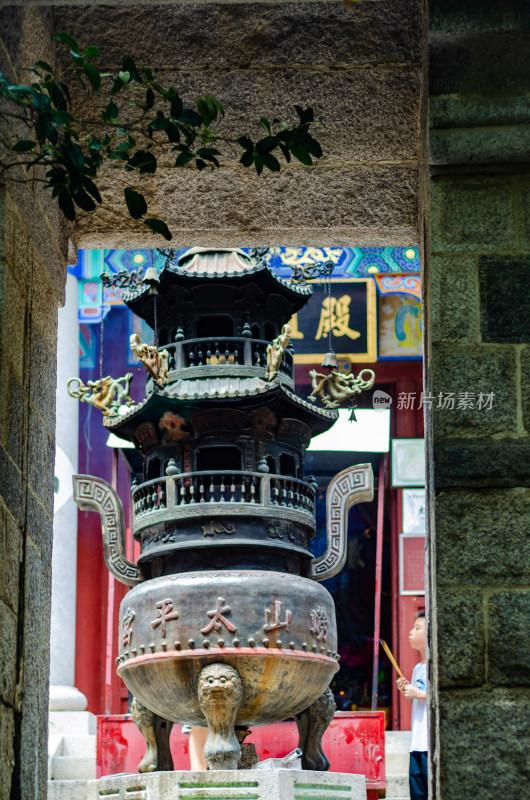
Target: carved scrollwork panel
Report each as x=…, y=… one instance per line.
x=351, y=486
x=95, y=494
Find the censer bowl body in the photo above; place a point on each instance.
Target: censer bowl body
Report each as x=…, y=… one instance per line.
x=277, y=630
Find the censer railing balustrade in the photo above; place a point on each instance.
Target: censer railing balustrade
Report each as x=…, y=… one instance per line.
x=221, y=486
x=213, y=351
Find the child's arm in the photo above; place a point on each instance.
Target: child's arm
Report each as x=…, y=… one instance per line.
x=409, y=691
x=412, y=692
x=401, y=683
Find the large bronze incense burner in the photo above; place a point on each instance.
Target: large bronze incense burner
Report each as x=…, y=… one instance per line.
x=226, y=623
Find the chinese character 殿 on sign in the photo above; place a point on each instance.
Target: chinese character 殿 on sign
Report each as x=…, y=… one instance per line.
x=349, y=315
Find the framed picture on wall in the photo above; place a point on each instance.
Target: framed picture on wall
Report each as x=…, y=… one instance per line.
x=413, y=511
x=411, y=563
x=408, y=462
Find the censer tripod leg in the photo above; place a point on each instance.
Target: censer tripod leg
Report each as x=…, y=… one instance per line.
x=156, y=731
x=220, y=693
x=312, y=724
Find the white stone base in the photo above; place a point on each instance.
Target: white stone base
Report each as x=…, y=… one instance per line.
x=277, y=784
x=71, y=723
x=66, y=698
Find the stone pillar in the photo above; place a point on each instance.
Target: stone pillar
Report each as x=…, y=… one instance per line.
x=477, y=273
x=63, y=694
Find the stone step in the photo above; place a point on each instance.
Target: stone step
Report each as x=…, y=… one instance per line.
x=397, y=785
x=71, y=723
x=397, y=763
x=55, y=749
x=73, y=768
x=67, y=790
x=397, y=741
x=79, y=746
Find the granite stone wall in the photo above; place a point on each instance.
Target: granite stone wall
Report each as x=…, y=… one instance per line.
x=477, y=280
x=359, y=68
x=33, y=248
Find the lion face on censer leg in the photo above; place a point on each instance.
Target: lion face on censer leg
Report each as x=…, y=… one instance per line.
x=218, y=681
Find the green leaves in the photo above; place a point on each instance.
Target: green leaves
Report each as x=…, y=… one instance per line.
x=44, y=65
x=73, y=149
x=129, y=67
x=209, y=109
x=288, y=140
x=137, y=207
x=23, y=146
x=144, y=161
x=91, y=52
x=111, y=112
x=176, y=106
x=183, y=159
x=135, y=203
x=68, y=40
x=271, y=162
x=157, y=226
x=208, y=154
x=66, y=205
x=93, y=75
x=300, y=152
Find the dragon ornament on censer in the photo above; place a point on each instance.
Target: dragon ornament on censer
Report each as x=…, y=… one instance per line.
x=226, y=624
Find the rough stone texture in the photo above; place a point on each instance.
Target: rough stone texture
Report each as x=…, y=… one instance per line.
x=361, y=73
x=479, y=462
x=525, y=388
x=33, y=248
x=11, y=559
x=256, y=34
x=322, y=205
x=34, y=705
x=461, y=369
x=524, y=215
x=461, y=629
x=483, y=537
x=508, y=623
x=473, y=214
x=373, y=117
x=485, y=739
x=7, y=731
x=503, y=463
x=474, y=15
x=8, y=664
x=469, y=145
x=454, y=299
x=485, y=68
x=504, y=285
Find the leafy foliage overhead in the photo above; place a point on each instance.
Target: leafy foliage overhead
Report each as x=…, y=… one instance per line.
x=141, y=121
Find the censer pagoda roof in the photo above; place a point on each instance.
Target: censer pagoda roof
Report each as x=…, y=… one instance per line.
x=198, y=273
x=183, y=396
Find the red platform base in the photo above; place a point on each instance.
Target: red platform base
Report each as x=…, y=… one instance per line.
x=354, y=742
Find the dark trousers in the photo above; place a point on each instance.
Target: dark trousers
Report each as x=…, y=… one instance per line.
x=418, y=775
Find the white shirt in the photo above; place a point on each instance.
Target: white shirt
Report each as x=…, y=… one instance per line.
x=419, y=731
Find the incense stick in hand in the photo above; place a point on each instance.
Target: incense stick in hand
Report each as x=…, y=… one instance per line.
x=391, y=658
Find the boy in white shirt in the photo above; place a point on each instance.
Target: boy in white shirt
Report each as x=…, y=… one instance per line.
x=416, y=693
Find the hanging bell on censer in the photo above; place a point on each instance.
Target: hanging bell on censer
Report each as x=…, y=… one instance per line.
x=330, y=360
